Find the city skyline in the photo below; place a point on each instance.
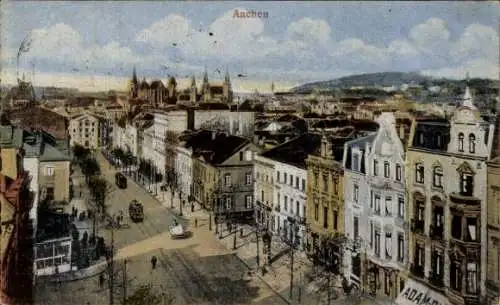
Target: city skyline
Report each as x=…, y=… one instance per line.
x=295, y=43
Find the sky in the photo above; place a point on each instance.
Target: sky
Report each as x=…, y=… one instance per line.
x=95, y=45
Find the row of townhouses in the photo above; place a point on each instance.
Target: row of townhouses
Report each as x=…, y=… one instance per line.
x=408, y=215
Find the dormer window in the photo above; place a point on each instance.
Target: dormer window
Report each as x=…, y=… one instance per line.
x=461, y=142
x=472, y=143
x=375, y=167
x=421, y=138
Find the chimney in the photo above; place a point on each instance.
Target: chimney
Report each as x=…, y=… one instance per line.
x=214, y=134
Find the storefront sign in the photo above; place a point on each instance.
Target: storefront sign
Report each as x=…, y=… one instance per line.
x=418, y=294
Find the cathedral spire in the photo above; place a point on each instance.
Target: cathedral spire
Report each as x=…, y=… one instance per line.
x=226, y=78
x=467, y=100
x=193, y=81
x=134, y=76
x=205, y=75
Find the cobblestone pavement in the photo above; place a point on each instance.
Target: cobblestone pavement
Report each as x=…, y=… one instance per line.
x=195, y=270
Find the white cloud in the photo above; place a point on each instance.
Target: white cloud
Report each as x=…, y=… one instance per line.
x=402, y=47
x=475, y=68
x=172, y=29
x=431, y=37
x=477, y=40
x=309, y=31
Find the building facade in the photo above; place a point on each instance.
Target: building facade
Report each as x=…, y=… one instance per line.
x=264, y=191
x=386, y=256
x=357, y=204
x=446, y=188
x=85, y=130
x=493, y=273
x=325, y=202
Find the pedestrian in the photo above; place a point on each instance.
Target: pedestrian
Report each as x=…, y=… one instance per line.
x=196, y=222
x=153, y=262
x=241, y=232
x=101, y=280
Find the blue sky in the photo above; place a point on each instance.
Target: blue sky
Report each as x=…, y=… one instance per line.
x=298, y=42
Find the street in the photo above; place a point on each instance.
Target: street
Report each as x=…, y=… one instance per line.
x=195, y=270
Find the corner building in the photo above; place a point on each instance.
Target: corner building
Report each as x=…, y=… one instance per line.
x=446, y=189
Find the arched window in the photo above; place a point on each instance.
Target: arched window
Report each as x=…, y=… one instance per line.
x=472, y=143
x=437, y=177
x=419, y=173
x=460, y=142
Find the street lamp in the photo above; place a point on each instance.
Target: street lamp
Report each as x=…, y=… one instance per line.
x=291, y=241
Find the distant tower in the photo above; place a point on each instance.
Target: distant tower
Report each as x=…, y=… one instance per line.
x=134, y=84
x=192, y=90
x=467, y=100
x=205, y=87
x=272, y=87
x=227, y=92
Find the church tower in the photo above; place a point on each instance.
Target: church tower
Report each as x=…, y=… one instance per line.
x=192, y=90
x=205, y=88
x=227, y=92
x=134, y=85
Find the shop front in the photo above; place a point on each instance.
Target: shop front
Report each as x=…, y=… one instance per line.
x=415, y=293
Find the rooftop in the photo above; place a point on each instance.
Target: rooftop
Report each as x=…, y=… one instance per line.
x=214, y=147
x=295, y=151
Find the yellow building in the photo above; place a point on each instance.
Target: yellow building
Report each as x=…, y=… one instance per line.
x=493, y=272
x=11, y=142
x=325, y=200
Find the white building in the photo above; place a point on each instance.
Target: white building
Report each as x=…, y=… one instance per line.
x=239, y=123
x=184, y=167
x=264, y=190
x=356, y=198
x=85, y=129
x=387, y=251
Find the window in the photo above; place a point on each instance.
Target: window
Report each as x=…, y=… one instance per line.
x=437, y=263
x=229, y=203
x=388, y=245
x=227, y=180
x=297, y=208
x=248, y=201
x=355, y=194
x=377, y=243
x=455, y=276
x=419, y=173
x=297, y=182
x=262, y=196
x=286, y=203
x=377, y=203
x=421, y=137
x=325, y=183
x=466, y=184
x=303, y=184
x=50, y=193
x=356, y=227
x=279, y=202
x=304, y=211
x=248, y=155
x=472, y=143
x=461, y=142
x=401, y=207
x=420, y=256
x=456, y=227
x=438, y=140
x=315, y=180
x=248, y=178
x=335, y=186
x=284, y=178
x=398, y=172
x=335, y=220
x=316, y=211
x=438, y=217
x=387, y=283
x=401, y=247
x=291, y=180
x=471, y=278
x=471, y=230
x=388, y=206
x=355, y=162
x=375, y=167
x=371, y=234
x=278, y=177
x=386, y=170
x=49, y=171
x=325, y=217
x=437, y=177
x=420, y=210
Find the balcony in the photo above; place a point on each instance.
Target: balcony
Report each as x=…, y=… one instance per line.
x=436, y=232
x=416, y=270
x=417, y=226
x=463, y=199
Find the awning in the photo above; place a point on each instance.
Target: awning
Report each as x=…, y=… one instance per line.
x=415, y=293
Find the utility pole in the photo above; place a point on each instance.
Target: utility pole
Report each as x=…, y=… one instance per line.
x=125, y=282
x=111, y=266
x=291, y=273
x=257, y=237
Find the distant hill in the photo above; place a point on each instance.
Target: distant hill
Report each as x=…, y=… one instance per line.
x=371, y=79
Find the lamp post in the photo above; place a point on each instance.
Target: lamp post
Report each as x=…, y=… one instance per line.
x=180, y=202
x=291, y=241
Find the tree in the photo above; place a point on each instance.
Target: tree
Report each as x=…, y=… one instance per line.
x=100, y=189
x=80, y=152
x=145, y=295
x=90, y=168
